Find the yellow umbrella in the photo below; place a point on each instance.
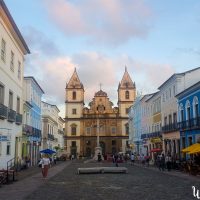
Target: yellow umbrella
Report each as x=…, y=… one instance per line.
x=195, y=150
x=191, y=148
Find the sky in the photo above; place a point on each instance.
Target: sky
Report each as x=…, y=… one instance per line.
x=152, y=38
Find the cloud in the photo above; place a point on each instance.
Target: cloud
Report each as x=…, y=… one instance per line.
x=38, y=40
x=112, y=22
x=94, y=68
x=147, y=76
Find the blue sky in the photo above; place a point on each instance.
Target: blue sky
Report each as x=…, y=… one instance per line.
x=153, y=38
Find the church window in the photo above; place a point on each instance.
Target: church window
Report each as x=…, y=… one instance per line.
x=74, y=111
x=113, y=142
x=127, y=94
x=127, y=129
x=74, y=95
x=73, y=143
x=73, y=129
x=113, y=130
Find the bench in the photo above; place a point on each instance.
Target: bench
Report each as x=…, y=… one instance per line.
x=96, y=170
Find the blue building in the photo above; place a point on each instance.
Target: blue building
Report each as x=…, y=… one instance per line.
x=135, y=129
x=188, y=115
x=32, y=121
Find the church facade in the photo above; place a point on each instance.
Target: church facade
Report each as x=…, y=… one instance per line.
x=100, y=122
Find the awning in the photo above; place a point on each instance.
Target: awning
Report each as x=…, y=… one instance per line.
x=195, y=150
x=156, y=150
x=191, y=148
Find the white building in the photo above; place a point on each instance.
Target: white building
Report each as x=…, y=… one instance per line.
x=52, y=127
x=13, y=49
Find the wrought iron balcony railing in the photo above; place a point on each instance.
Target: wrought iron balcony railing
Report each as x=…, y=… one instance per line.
x=193, y=123
x=50, y=137
x=3, y=111
x=11, y=115
x=151, y=135
x=170, y=127
x=18, y=118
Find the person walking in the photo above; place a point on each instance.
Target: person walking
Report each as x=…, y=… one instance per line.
x=116, y=159
x=132, y=159
x=45, y=165
x=162, y=162
x=168, y=162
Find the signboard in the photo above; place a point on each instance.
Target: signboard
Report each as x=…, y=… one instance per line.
x=156, y=140
x=4, y=138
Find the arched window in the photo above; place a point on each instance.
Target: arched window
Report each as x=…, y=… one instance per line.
x=195, y=107
x=127, y=94
x=74, y=95
x=181, y=113
x=73, y=129
x=188, y=110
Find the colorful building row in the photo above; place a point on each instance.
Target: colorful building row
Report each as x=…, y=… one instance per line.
x=155, y=119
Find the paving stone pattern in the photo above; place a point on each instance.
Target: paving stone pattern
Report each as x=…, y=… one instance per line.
x=139, y=184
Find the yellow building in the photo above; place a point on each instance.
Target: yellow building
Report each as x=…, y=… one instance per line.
x=83, y=124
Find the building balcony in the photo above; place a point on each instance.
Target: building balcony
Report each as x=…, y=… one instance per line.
x=31, y=131
x=50, y=137
x=36, y=132
x=18, y=119
x=3, y=111
x=151, y=135
x=61, y=132
x=191, y=124
x=170, y=128
x=11, y=115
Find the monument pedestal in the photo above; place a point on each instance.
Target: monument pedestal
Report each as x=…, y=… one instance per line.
x=97, y=151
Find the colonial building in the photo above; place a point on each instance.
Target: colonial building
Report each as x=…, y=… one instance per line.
x=52, y=131
x=13, y=49
x=83, y=124
x=135, y=125
x=32, y=120
x=189, y=116
x=140, y=123
x=176, y=84
x=153, y=137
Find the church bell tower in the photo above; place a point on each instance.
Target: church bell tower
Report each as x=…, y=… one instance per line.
x=126, y=97
x=74, y=103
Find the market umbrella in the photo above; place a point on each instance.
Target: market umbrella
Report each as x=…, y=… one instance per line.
x=195, y=150
x=47, y=151
x=190, y=148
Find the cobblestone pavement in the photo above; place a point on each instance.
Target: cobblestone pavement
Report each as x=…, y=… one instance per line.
x=139, y=183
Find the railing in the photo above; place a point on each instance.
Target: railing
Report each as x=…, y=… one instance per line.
x=11, y=115
x=27, y=129
x=61, y=132
x=31, y=131
x=189, y=124
x=170, y=127
x=18, y=118
x=50, y=136
x=151, y=135
x=3, y=111
x=11, y=168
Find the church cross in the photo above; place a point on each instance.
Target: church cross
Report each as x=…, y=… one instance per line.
x=100, y=85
